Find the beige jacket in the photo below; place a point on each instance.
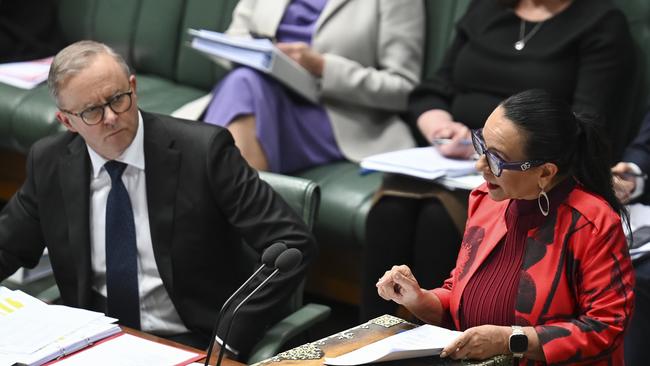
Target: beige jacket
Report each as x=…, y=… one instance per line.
x=373, y=52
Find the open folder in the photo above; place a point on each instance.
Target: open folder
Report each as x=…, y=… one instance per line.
x=259, y=54
x=425, y=340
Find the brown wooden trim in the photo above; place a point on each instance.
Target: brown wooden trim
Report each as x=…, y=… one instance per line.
x=12, y=172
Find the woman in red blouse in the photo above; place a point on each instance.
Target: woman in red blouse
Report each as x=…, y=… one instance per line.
x=543, y=272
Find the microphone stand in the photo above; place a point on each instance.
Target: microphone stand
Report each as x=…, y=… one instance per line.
x=225, y=305
x=234, y=313
x=269, y=257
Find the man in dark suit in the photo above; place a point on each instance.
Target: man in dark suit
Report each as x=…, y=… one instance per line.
x=164, y=246
x=631, y=185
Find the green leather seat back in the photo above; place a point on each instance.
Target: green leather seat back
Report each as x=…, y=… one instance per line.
x=193, y=68
x=440, y=29
x=303, y=196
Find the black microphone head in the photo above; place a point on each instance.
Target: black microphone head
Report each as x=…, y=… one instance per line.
x=271, y=253
x=288, y=260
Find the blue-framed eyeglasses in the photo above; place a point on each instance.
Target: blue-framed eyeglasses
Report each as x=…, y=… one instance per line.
x=496, y=164
x=93, y=115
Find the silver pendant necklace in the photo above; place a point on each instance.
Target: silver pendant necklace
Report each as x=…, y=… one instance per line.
x=523, y=37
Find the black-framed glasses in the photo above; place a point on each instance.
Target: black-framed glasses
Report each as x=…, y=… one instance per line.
x=93, y=115
x=496, y=164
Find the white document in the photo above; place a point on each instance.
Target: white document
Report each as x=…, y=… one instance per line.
x=467, y=182
x=259, y=54
x=129, y=350
x=26, y=74
x=425, y=340
x=70, y=343
x=639, y=217
x=31, y=328
x=421, y=162
x=34, y=332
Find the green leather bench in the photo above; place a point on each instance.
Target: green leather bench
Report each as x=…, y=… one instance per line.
x=151, y=34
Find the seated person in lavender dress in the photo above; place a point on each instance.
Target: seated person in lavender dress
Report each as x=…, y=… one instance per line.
x=367, y=55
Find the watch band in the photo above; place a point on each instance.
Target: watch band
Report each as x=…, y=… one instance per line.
x=517, y=333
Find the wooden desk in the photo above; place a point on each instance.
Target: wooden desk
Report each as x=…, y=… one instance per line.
x=215, y=351
x=343, y=342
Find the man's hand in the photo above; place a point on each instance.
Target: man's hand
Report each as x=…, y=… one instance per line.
x=479, y=343
x=623, y=184
x=300, y=52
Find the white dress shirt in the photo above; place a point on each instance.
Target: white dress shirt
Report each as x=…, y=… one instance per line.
x=157, y=312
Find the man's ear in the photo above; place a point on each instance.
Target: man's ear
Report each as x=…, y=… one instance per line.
x=64, y=120
x=133, y=83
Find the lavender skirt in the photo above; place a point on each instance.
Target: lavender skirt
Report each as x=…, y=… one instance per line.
x=294, y=133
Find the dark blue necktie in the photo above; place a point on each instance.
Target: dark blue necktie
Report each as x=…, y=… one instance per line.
x=123, y=300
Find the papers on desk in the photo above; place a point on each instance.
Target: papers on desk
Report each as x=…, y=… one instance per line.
x=640, y=225
x=425, y=340
x=26, y=74
x=259, y=54
x=32, y=332
x=426, y=163
x=127, y=349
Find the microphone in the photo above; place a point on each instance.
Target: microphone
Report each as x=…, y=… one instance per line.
x=286, y=261
x=269, y=258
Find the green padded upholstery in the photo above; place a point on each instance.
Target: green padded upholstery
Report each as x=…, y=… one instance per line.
x=441, y=19
x=193, y=68
x=149, y=34
x=345, y=202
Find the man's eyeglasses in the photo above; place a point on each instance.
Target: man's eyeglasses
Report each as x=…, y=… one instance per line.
x=93, y=115
x=496, y=164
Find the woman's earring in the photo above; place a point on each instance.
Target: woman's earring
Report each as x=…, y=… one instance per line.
x=539, y=202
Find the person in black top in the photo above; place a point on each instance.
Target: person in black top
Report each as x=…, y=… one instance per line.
x=631, y=186
x=579, y=50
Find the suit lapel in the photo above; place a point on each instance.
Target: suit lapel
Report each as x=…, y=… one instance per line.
x=268, y=16
x=74, y=178
x=162, y=164
x=330, y=9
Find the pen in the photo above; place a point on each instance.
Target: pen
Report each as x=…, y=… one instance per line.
x=261, y=36
x=441, y=141
x=642, y=175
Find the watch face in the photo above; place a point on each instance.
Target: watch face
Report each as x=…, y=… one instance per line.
x=518, y=343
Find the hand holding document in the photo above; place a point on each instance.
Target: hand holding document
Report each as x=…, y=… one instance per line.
x=257, y=53
x=425, y=340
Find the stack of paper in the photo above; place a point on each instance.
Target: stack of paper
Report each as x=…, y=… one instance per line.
x=25, y=75
x=259, y=54
x=640, y=225
x=425, y=340
x=33, y=332
x=422, y=162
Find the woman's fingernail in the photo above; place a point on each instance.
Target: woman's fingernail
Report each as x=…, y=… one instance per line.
x=443, y=354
